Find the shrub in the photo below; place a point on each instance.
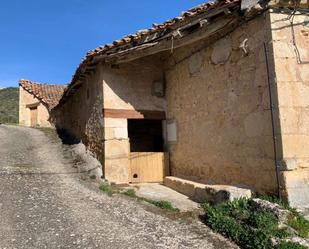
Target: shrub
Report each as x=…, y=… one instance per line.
x=300, y=224
x=297, y=221
x=239, y=221
x=9, y=105
x=289, y=245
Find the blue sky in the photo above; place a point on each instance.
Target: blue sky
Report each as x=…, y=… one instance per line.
x=44, y=40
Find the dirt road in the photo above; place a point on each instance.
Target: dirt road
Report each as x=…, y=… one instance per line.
x=45, y=203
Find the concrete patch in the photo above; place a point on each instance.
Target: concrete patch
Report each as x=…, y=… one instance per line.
x=156, y=191
x=195, y=63
x=221, y=51
x=206, y=193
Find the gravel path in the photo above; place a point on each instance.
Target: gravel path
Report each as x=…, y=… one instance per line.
x=46, y=203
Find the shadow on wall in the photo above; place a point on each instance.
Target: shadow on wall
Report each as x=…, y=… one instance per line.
x=130, y=85
x=66, y=137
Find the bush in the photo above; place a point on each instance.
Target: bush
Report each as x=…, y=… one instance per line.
x=297, y=221
x=9, y=105
x=300, y=224
x=240, y=222
x=289, y=245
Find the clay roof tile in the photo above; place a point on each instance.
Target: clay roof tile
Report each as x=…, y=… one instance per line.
x=138, y=38
x=48, y=94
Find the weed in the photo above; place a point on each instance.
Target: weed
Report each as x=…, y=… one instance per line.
x=300, y=224
x=106, y=188
x=274, y=199
x=241, y=222
x=289, y=245
x=130, y=192
x=162, y=204
x=297, y=221
x=282, y=203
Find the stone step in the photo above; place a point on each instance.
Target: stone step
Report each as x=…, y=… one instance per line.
x=206, y=193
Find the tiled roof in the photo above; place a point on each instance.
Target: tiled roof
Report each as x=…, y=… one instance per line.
x=152, y=36
x=48, y=94
x=135, y=39
x=156, y=32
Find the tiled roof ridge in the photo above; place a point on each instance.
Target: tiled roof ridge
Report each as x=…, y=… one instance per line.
x=183, y=17
x=23, y=81
x=49, y=94
x=152, y=36
x=156, y=28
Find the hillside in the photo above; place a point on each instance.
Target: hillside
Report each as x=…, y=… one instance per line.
x=9, y=105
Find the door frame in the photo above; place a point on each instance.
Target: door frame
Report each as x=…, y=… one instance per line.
x=33, y=110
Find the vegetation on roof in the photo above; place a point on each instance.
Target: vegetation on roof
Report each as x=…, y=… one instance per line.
x=9, y=98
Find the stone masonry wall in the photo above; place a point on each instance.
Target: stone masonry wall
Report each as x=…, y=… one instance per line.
x=81, y=115
x=292, y=78
x=128, y=88
x=25, y=98
x=218, y=100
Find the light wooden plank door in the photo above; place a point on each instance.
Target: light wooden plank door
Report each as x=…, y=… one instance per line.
x=34, y=116
x=148, y=166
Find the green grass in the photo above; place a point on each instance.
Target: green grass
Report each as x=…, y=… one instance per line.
x=289, y=245
x=300, y=224
x=130, y=192
x=297, y=222
x=275, y=199
x=162, y=204
x=249, y=228
x=106, y=188
x=9, y=98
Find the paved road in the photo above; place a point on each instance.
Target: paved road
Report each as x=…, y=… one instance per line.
x=45, y=203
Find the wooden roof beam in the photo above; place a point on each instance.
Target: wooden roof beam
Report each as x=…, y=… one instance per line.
x=223, y=26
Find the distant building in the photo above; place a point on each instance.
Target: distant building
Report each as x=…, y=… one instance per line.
x=35, y=102
x=220, y=94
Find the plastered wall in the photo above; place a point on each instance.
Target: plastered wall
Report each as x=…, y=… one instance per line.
x=291, y=58
x=127, y=87
x=25, y=98
x=219, y=100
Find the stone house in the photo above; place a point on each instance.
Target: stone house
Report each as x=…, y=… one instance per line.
x=35, y=102
x=218, y=95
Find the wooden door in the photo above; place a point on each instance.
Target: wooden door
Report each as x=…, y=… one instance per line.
x=33, y=116
x=148, y=166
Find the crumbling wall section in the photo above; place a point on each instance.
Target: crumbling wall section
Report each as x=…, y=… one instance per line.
x=81, y=115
